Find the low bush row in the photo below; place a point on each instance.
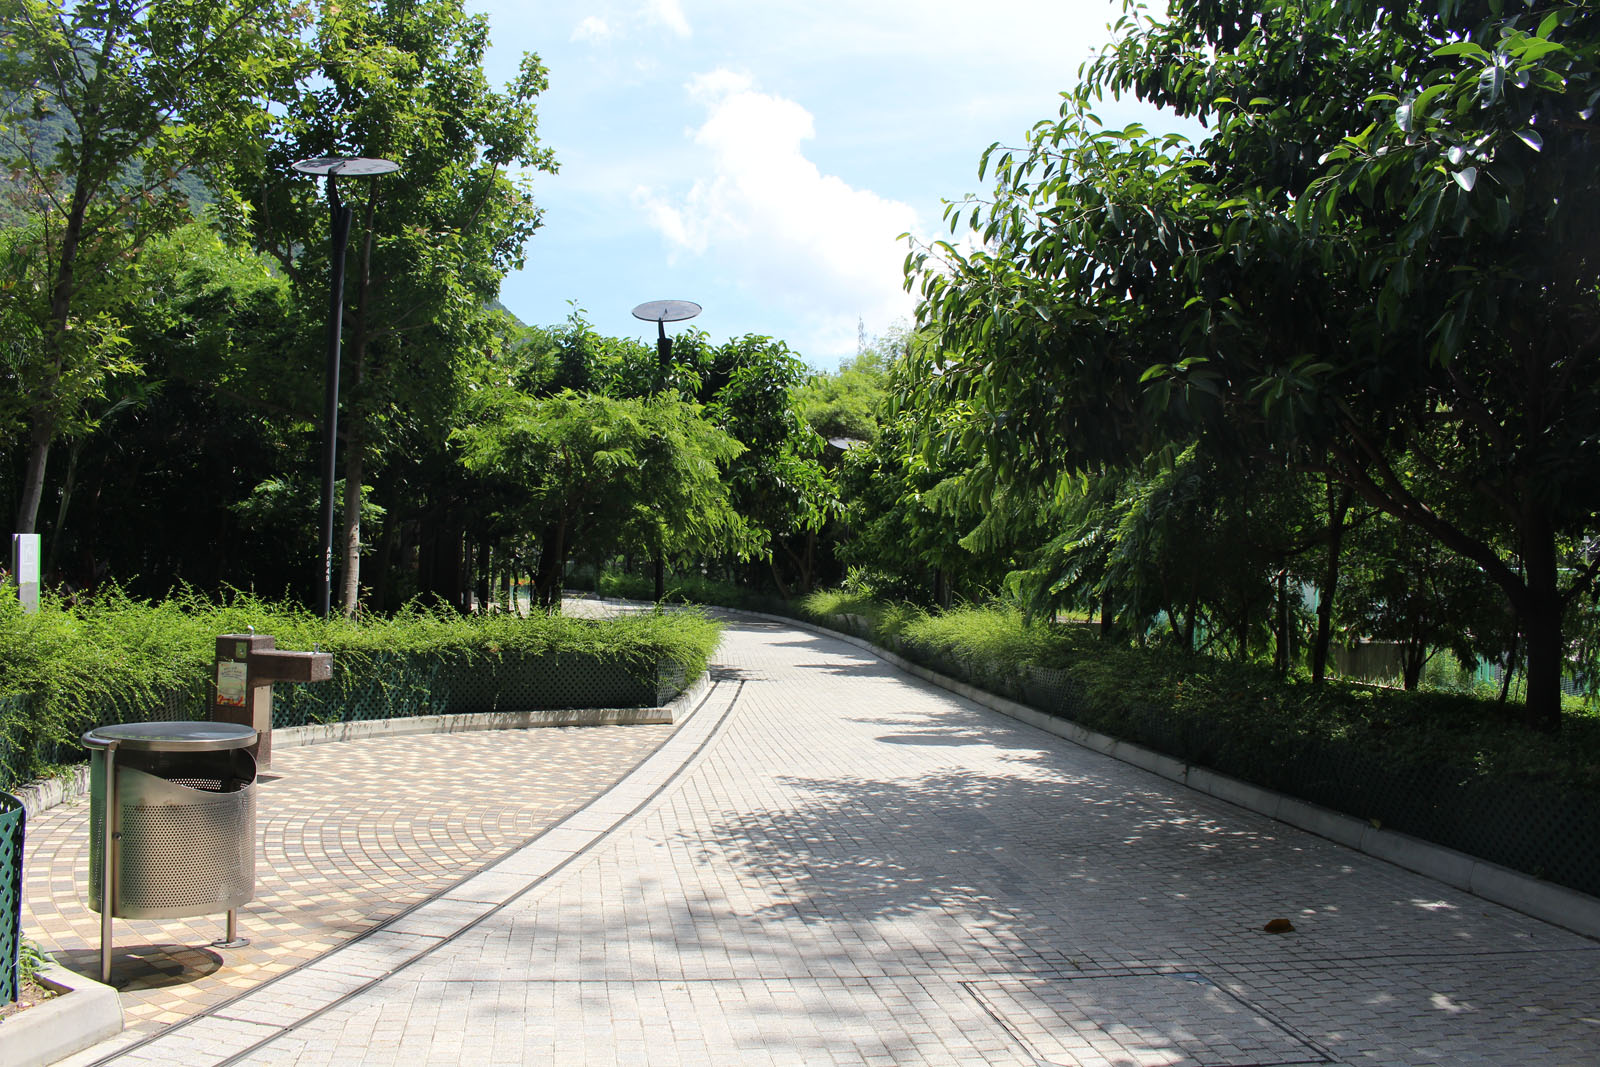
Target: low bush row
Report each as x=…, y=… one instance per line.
x=75, y=665
x=1455, y=769
x=1115, y=683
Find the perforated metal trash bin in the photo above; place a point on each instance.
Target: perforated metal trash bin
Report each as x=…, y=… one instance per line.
x=180, y=800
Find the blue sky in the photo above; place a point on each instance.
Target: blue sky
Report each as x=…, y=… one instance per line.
x=761, y=158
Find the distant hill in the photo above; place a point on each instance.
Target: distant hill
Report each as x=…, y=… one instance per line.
x=24, y=135
x=495, y=305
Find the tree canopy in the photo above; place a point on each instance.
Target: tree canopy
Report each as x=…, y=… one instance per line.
x=1374, y=268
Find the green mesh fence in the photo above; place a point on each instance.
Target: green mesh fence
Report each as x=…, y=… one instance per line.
x=24, y=752
x=16, y=741
x=13, y=820
x=385, y=685
x=399, y=685
x=1532, y=827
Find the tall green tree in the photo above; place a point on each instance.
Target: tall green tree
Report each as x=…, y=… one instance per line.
x=110, y=107
x=594, y=475
x=1374, y=268
x=203, y=411
x=402, y=80
x=778, y=481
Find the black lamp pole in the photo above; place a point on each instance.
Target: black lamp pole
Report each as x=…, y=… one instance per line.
x=662, y=312
x=341, y=215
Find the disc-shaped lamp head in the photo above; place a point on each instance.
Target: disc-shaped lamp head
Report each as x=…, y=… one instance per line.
x=347, y=166
x=666, y=310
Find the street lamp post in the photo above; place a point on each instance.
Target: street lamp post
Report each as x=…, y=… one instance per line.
x=662, y=312
x=334, y=167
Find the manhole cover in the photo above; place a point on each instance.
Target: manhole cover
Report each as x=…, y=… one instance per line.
x=1153, y=1020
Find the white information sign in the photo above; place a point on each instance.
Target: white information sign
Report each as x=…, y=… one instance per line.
x=231, y=683
x=25, y=569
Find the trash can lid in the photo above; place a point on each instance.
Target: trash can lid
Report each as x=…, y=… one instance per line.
x=171, y=736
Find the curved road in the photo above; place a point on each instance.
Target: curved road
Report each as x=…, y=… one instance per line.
x=830, y=862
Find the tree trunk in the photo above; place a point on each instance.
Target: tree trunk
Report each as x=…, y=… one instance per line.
x=383, y=560
x=552, y=561
x=658, y=567
x=1545, y=664
x=42, y=421
x=67, y=485
x=355, y=423
x=1175, y=624
x=772, y=565
x=1510, y=671
x=350, y=577
x=809, y=570
x=803, y=564
x=1541, y=627
x=39, y=438
x=1413, y=657
x=484, y=577
x=1337, y=511
x=1282, y=654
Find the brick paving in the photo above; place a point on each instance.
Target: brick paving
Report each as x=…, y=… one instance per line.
x=830, y=863
x=351, y=834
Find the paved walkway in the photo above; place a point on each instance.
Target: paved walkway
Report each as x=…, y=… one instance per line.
x=352, y=834
x=832, y=863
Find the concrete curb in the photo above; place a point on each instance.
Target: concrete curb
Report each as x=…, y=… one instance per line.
x=43, y=795
x=83, y=1014
x=255, y=1017
x=1564, y=907
x=666, y=715
x=49, y=792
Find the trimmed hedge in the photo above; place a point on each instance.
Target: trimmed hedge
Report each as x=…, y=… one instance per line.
x=112, y=658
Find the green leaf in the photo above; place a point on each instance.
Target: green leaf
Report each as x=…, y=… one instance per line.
x=1530, y=138
x=1534, y=51
x=1466, y=178
x=1491, y=85
x=1461, y=48
x=1428, y=96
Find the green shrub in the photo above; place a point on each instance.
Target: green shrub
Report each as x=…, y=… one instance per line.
x=685, y=589
x=30, y=960
x=71, y=666
x=996, y=635
x=826, y=603
x=1214, y=708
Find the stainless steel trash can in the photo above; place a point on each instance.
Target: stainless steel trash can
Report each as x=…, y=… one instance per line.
x=180, y=801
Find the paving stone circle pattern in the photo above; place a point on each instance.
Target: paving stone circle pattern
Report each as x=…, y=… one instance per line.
x=831, y=863
x=350, y=835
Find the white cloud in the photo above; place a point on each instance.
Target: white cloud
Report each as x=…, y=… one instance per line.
x=670, y=14
x=592, y=28
x=766, y=215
